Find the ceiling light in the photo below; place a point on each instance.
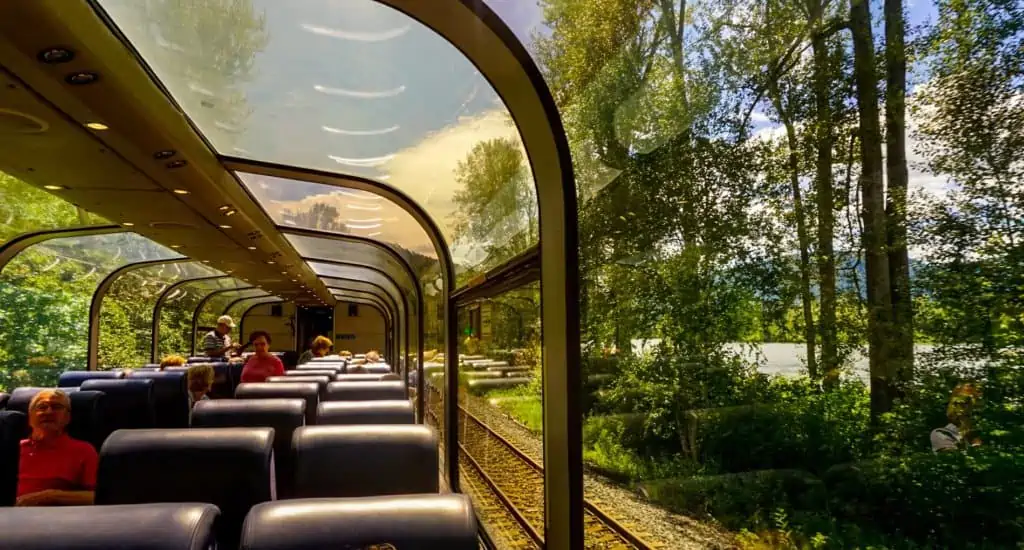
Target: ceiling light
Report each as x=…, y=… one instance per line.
x=176, y=163
x=206, y=261
x=284, y=273
x=225, y=207
x=96, y=126
x=81, y=78
x=127, y=224
x=54, y=187
x=271, y=262
x=229, y=213
x=54, y=56
x=164, y=155
x=251, y=248
x=181, y=191
x=225, y=226
x=175, y=246
x=229, y=271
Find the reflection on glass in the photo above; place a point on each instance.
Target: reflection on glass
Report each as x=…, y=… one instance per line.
x=26, y=209
x=125, y=338
x=313, y=248
x=350, y=87
x=45, y=293
x=500, y=415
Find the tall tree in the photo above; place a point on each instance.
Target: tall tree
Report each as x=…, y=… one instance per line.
x=883, y=379
x=897, y=178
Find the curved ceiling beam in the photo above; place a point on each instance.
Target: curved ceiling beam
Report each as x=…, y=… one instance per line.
x=241, y=320
x=199, y=309
x=382, y=246
x=401, y=307
x=158, y=310
x=13, y=247
x=486, y=41
x=96, y=305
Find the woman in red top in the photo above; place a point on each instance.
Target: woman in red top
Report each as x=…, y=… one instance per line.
x=262, y=364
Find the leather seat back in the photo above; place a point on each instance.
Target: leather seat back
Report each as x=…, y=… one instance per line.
x=408, y=521
x=358, y=461
x=13, y=428
x=72, y=378
x=283, y=415
x=309, y=391
x=140, y=527
x=128, y=403
x=359, y=377
x=377, y=368
x=365, y=412
x=87, y=418
x=312, y=372
x=227, y=467
x=170, y=397
x=3, y=399
x=365, y=391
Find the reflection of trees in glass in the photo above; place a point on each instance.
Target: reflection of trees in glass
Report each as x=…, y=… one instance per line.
x=496, y=208
x=24, y=208
x=319, y=216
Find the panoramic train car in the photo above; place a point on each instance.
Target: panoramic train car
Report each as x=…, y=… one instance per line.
x=511, y=274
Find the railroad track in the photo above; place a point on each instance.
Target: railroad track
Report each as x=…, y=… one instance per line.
x=509, y=485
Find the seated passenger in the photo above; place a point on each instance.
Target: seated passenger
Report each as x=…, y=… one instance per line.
x=200, y=380
x=321, y=348
x=54, y=469
x=217, y=342
x=172, y=361
x=262, y=364
x=372, y=356
x=958, y=433
x=346, y=354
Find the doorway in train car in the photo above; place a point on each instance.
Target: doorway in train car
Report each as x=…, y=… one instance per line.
x=313, y=322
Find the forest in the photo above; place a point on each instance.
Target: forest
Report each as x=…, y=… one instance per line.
x=842, y=177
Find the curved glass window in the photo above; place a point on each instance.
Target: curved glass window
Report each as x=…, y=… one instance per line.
x=347, y=295
x=239, y=308
x=355, y=252
x=178, y=309
x=125, y=338
x=45, y=294
x=355, y=273
x=217, y=304
x=25, y=209
x=354, y=88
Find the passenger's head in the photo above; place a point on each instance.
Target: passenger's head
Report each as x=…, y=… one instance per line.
x=321, y=346
x=372, y=356
x=49, y=413
x=962, y=401
x=172, y=361
x=260, y=341
x=200, y=380
x=346, y=354
x=225, y=324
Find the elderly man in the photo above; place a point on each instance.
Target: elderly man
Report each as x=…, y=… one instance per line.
x=217, y=342
x=54, y=469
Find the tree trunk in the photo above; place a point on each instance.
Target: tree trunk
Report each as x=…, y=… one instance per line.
x=801, y=229
x=873, y=192
x=826, y=201
x=896, y=208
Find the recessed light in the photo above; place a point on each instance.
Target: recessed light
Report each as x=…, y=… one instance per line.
x=284, y=273
x=225, y=226
x=175, y=246
x=271, y=262
x=252, y=248
x=81, y=78
x=96, y=126
x=225, y=207
x=55, y=56
x=229, y=213
x=165, y=154
x=176, y=163
x=229, y=271
x=206, y=261
x=54, y=187
x=181, y=191
x=127, y=224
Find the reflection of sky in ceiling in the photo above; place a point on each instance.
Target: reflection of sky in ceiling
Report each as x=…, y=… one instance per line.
x=352, y=87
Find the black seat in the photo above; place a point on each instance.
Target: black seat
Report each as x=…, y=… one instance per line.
x=311, y=372
x=128, y=403
x=320, y=380
x=365, y=412
x=309, y=391
x=359, y=377
x=407, y=521
x=74, y=378
x=228, y=467
x=283, y=415
x=365, y=391
x=377, y=368
x=170, y=397
x=87, y=418
x=358, y=461
x=139, y=527
x=3, y=399
x=13, y=428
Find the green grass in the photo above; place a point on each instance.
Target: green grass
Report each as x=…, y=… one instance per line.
x=524, y=407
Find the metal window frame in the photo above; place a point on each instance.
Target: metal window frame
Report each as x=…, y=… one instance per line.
x=241, y=320
x=96, y=304
x=401, y=312
x=379, y=307
x=199, y=309
x=158, y=309
x=20, y=242
x=388, y=309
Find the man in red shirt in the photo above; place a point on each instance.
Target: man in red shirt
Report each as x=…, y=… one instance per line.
x=262, y=364
x=54, y=469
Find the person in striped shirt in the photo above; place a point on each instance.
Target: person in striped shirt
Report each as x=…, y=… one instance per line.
x=217, y=342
